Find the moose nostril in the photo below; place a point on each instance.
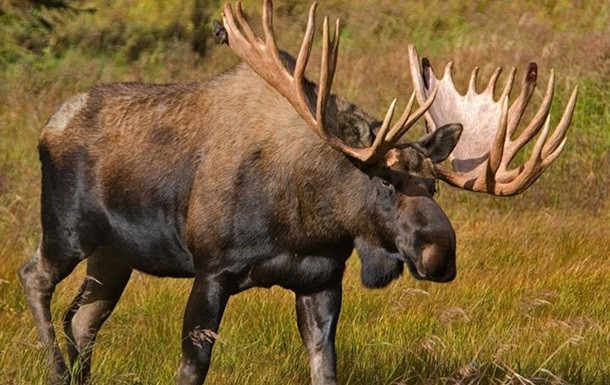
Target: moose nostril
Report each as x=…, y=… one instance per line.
x=431, y=257
x=439, y=262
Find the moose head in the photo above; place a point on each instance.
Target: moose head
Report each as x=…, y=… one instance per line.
x=473, y=130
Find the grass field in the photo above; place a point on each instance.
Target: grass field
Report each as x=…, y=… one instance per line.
x=531, y=303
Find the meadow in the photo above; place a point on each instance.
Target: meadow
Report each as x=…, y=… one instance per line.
x=531, y=302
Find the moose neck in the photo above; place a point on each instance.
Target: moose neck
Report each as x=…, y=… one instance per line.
x=317, y=194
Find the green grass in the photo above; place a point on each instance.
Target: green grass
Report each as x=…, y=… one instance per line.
x=530, y=303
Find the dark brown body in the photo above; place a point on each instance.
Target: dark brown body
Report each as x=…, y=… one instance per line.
x=173, y=171
x=222, y=181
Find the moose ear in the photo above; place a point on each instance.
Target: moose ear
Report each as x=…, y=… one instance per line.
x=438, y=144
x=354, y=130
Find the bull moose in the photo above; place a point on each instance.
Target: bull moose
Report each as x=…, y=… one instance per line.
x=260, y=177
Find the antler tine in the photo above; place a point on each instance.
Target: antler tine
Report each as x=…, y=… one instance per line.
x=541, y=166
x=529, y=172
x=250, y=36
x=412, y=118
x=417, y=74
x=558, y=135
x=491, y=86
x=305, y=51
x=495, y=155
x=537, y=151
x=528, y=85
x=334, y=52
x=387, y=138
x=552, y=156
x=547, y=149
x=395, y=133
x=382, y=134
x=264, y=57
x=534, y=127
x=268, y=27
x=324, y=84
x=530, y=169
x=448, y=69
x=229, y=22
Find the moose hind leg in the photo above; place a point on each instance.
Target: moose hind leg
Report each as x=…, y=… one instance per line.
x=107, y=276
x=39, y=277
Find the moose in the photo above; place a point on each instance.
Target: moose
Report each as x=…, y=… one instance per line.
x=261, y=177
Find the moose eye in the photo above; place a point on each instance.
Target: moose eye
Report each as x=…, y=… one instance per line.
x=386, y=184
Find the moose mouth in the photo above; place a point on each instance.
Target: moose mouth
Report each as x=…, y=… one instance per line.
x=418, y=271
x=415, y=268
x=409, y=257
x=413, y=264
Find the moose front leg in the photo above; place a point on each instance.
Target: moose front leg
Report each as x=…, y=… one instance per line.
x=317, y=316
x=204, y=310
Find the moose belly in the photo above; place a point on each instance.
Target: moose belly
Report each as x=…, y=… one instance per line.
x=152, y=245
x=299, y=273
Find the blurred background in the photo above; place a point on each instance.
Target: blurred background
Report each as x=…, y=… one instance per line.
x=530, y=303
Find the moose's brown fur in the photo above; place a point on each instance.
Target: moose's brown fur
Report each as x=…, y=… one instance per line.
x=147, y=140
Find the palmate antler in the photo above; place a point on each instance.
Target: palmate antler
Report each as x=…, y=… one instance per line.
x=263, y=57
x=481, y=158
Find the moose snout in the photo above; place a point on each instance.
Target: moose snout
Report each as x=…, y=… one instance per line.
x=427, y=243
x=432, y=261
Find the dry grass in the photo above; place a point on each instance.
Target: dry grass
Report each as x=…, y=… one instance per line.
x=530, y=304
